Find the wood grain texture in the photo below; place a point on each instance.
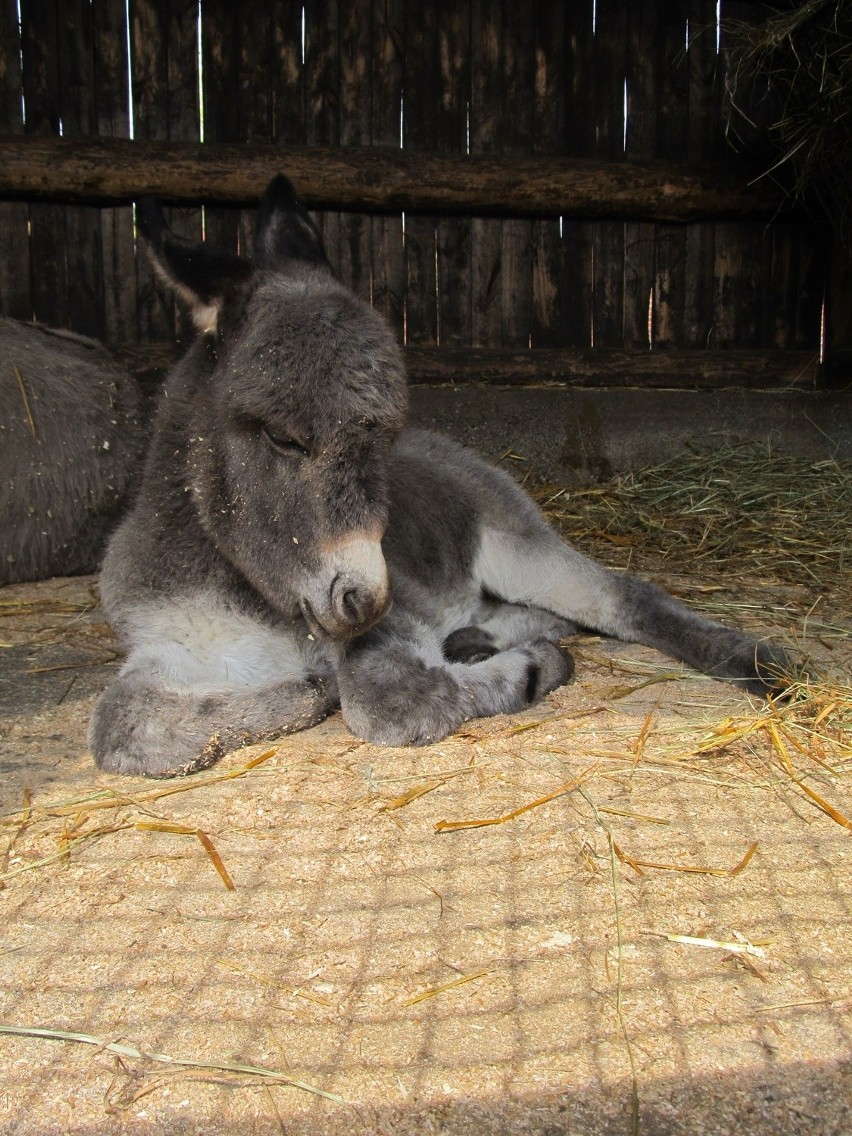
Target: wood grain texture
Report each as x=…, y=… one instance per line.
x=496, y=131
x=15, y=285
x=601, y=367
x=375, y=179
x=387, y=256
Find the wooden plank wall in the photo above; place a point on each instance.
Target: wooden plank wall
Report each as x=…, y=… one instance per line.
x=478, y=76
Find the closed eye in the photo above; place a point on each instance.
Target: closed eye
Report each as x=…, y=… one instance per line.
x=284, y=444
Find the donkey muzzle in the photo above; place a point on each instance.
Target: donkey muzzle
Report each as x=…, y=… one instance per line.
x=354, y=590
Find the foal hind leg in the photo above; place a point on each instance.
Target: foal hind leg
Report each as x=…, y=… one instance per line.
x=502, y=626
x=534, y=567
x=143, y=726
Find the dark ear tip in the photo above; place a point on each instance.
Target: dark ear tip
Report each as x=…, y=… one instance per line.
x=285, y=231
x=281, y=193
x=150, y=220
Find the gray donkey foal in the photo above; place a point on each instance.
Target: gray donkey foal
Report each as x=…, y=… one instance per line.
x=294, y=548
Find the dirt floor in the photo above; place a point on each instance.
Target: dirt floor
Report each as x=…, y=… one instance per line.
x=661, y=921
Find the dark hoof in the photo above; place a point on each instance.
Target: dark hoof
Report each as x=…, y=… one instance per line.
x=468, y=645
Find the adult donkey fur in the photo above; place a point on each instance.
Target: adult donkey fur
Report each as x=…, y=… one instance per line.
x=71, y=441
x=295, y=548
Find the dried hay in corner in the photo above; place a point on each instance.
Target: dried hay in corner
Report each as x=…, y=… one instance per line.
x=788, y=92
x=728, y=508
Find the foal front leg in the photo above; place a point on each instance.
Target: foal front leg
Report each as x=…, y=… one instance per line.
x=400, y=690
x=535, y=567
x=142, y=725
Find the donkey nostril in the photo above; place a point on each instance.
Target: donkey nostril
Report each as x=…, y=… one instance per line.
x=348, y=602
x=352, y=609
x=355, y=606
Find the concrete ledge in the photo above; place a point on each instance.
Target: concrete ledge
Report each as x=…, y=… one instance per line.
x=586, y=434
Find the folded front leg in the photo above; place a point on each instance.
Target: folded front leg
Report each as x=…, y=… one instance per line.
x=400, y=690
x=142, y=725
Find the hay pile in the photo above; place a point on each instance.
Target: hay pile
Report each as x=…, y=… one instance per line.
x=789, y=82
x=727, y=510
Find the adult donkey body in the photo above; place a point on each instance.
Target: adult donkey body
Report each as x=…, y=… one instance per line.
x=295, y=548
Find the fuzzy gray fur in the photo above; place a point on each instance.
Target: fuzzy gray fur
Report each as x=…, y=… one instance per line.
x=63, y=475
x=294, y=547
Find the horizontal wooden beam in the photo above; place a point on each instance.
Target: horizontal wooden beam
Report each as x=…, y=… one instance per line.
x=599, y=367
x=366, y=179
x=541, y=366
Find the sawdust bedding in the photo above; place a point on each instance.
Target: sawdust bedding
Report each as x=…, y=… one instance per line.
x=627, y=909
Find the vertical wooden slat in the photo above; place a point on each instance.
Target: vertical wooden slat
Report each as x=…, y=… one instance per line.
x=611, y=61
x=784, y=263
x=454, y=233
x=420, y=95
x=640, y=236
x=287, y=84
x=516, y=129
x=742, y=296
x=118, y=259
x=148, y=30
x=672, y=129
x=838, y=306
x=256, y=67
x=580, y=141
x=181, y=37
x=322, y=99
x=702, y=132
x=221, y=31
x=164, y=59
x=15, y=286
x=797, y=275
x=821, y=276
x=287, y=79
x=549, y=294
x=742, y=293
x=355, y=110
x=387, y=255
x=485, y=120
x=82, y=223
x=240, y=63
x=48, y=243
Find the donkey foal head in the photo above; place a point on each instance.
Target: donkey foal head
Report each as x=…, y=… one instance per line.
x=301, y=396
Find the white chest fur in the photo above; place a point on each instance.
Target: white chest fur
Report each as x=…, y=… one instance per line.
x=203, y=643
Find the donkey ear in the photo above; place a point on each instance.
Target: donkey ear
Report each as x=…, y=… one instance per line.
x=285, y=230
x=201, y=277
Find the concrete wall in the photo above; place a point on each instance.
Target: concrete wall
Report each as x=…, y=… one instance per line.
x=587, y=434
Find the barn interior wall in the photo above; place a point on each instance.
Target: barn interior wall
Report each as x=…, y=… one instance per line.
x=601, y=78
